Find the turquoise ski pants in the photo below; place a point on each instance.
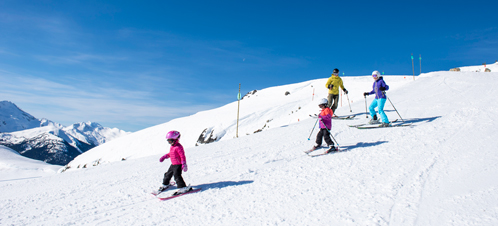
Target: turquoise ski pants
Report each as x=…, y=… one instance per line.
x=380, y=104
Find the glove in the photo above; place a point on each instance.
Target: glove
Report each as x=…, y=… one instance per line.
x=382, y=88
x=166, y=156
x=331, y=86
x=366, y=94
x=184, y=166
x=345, y=91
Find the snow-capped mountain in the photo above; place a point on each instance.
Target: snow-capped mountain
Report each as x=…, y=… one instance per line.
x=49, y=141
x=12, y=118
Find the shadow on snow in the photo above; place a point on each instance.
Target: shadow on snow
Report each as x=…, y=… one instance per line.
x=415, y=120
x=224, y=184
x=361, y=145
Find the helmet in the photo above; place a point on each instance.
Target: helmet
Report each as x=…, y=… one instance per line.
x=173, y=135
x=323, y=101
x=375, y=74
x=336, y=71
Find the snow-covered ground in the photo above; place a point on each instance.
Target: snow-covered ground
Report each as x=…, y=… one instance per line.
x=441, y=171
x=266, y=109
x=481, y=68
x=14, y=166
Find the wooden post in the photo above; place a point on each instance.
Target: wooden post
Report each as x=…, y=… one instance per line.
x=238, y=110
x=413, y=68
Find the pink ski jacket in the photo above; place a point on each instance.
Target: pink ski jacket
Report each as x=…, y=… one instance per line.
x=326, y=118
x=177, y=154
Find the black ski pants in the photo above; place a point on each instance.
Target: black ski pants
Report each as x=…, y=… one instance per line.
x=323, y=133
x=174, y=170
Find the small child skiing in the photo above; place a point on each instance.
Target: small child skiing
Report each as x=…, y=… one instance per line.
x=325, y=118
x=178, y=163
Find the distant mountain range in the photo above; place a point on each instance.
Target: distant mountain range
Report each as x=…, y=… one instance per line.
x=46, y=140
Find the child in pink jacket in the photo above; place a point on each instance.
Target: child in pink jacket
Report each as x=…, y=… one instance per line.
x=178, y=163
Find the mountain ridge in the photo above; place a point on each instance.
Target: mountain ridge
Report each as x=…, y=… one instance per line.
x=48, y=141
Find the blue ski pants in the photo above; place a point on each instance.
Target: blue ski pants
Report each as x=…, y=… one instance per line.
x=380, y=104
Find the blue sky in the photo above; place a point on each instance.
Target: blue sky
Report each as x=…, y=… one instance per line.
x=135, y=64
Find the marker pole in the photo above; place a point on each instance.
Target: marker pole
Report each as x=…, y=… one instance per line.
x=413, y=69
x=238, y=110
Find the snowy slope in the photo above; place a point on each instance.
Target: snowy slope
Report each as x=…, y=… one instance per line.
x=14, y=166
x=441, y=171
x=14, y=119
x=266, y=109
x=481, y=68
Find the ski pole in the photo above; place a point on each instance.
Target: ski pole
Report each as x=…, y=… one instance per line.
x=393, y=106
x=313, y=128
x=349, y=103
x=330, y=133
x=366, y=112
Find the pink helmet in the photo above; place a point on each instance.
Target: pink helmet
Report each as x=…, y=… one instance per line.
x=173, y=135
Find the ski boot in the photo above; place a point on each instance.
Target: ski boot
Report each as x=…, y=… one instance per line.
x=384, y=124
x=183, y=190
x=374, y=120
x=332, y=148
x=163, y=188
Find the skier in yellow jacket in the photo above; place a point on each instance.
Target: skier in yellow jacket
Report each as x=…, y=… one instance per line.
x=333, y=84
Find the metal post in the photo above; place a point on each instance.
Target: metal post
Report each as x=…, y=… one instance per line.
x=420, y=58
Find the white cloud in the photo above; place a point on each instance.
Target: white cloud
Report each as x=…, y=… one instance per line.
x=67, y=104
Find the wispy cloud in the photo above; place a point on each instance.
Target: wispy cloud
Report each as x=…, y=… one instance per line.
x=80, y=58
x=67, y=103
x=64, y=70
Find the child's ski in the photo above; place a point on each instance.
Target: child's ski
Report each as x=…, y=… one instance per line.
x=350, y=117
x=156, y=193
x=174, y=195
x=314, y=149
x=325, y=153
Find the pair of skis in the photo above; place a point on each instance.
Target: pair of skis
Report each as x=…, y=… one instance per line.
x=175, y=194
x=376, y=126
x=324, y=153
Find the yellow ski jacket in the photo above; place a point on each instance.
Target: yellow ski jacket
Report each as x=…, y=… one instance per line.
x=336, y=81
